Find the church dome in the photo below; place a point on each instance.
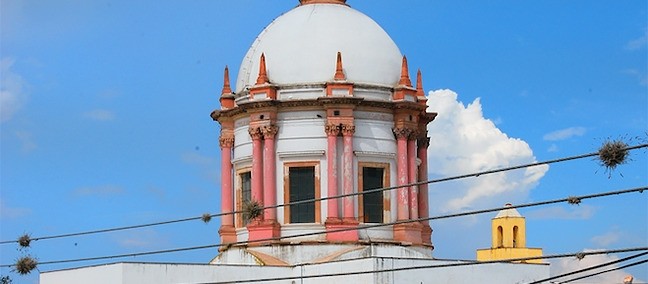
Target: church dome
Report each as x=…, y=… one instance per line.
x=301, y=45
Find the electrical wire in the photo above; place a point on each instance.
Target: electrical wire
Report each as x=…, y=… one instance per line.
x=520, y=259
x=606, y=271
x=477, y=174
x=571, y=200
x=589, y=268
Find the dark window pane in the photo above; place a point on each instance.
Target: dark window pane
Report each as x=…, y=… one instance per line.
x=302, y=187
x=246, y=190
x=372, y=203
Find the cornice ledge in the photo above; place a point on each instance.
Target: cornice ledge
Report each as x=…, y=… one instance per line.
x=292, y=154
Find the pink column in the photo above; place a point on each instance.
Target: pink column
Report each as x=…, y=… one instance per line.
x=423, y=144
x=331, y=156
x=347, y=171
x=269, y=172
x=412, y=170
x=257, y=165
x=227, y=201
x=401, y=168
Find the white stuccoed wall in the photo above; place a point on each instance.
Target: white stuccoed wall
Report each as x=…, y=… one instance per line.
x=152, y=273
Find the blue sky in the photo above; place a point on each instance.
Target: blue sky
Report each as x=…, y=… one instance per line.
x=105, y=116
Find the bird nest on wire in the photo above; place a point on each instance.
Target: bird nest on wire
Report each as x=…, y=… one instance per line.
x=206, y=217
x=612, y=154
x=24, y=241
x=25, y=265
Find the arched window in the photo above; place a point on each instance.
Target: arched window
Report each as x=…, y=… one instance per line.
x=515, y=236
x=500, y=237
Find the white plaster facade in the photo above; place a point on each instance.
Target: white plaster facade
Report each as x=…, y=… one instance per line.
x=364, y=264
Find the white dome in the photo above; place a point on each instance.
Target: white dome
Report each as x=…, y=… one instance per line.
x=301, y=46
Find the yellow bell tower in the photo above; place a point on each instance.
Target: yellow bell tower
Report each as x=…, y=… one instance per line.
x=508, y=231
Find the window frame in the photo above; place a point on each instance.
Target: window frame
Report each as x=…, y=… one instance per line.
x=239, y=222
x=385, y=194
x=286, y=187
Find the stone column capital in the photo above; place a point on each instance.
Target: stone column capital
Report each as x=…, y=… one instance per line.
x=347, y=129
x=269, y=131
x=255, y=133
x=402, y=132
x=226, y=141
x=332, y=129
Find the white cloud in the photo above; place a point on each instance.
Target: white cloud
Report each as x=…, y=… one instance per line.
x=157, y=192
x=99, y=191
x=141, y=239
x=566, y=133
x=566, y=265
x=12, y=90
x=7, y=212
x=463, y=141
x=638, y=43
x=606, y=239
x=640, y=76
x=100, y=115
x=575, y=212
x=553, y=148
x=194, y=158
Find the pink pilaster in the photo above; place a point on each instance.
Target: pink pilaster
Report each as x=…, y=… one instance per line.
x=263, y=185
x=331, y=157
x=227, y=231
x=333, y=222
x=269, y=173
x=413, y=172
x=347, y=172
x=409, y=233
x=226, y=186
x=257, y=165
x=402, y=212
x=426, y=233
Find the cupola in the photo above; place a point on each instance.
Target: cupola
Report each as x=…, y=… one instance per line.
x=508, y=231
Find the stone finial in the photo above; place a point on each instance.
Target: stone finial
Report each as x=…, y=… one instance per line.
x=263, y=75
x=226, y=82
x=405, y=79
x=420, y=93
x=226, y=98
x=419, y=84
x=339, y=72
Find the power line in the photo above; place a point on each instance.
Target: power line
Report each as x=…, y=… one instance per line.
x=477, y=174
x=571, y=199
x=520, y=259
x=107, y=230
x=606, y=271
x=589, y=268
